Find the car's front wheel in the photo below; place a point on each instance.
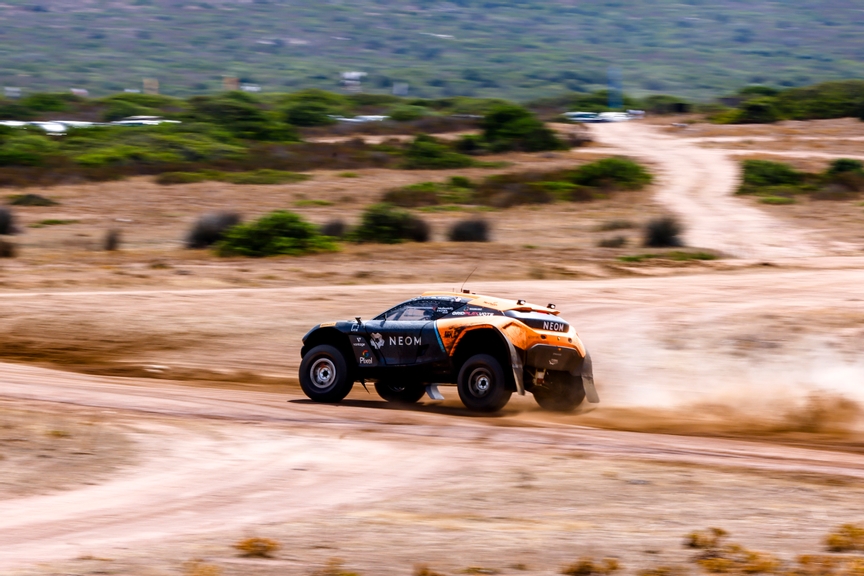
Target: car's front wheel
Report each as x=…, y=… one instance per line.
x=482, y=384
x=561, y=392
x=324, y=375
x=400, y=393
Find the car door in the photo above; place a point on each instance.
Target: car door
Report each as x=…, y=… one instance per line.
x=398, y=336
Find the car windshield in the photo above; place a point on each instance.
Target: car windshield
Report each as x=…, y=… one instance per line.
x=420, y=309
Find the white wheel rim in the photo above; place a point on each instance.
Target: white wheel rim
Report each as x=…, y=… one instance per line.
x=323, y=373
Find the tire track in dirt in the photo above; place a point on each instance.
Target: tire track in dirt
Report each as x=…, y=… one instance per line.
x=235, y=459
x=698, y=184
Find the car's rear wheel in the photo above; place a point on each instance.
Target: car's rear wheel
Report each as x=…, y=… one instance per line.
x=482, y=384
x=400, y=393
x=324, y=375
x=560, y=392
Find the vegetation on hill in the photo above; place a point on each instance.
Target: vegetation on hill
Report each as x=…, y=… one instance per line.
x=778, y=183
x=764, y=105
x=519, y=50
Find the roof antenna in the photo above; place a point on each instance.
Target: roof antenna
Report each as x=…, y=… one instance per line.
x=466, y=279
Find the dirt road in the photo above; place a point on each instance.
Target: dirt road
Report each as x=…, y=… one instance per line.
x=214, y=465
x=697, y=184
x=227, y=461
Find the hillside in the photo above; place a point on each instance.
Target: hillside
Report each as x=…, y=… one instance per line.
x=518, y=49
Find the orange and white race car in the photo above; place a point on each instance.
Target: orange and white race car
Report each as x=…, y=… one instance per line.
x=488, y=347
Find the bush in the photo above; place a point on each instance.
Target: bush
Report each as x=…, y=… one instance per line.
x=210, y=229
x=171, y=178
x=426, y=152
x=612, y=173
x=7, y=249
x=767, y=173
x=511, y=127
x=112, y=240
x=407, y=113
x=845, y=165
x=414, y=195
x=758, y=111
x=777, y=200
x=242, y=117
x=611, y=225
x=257, y=547
x=262, y=177
x=461, y=182
x=334, y=229
x=32, y=200
x=119, y=109
x=385, y=224
x=309, y=113
x=613, y=242
x=27, y=150
x=662, y=232
x=588, y=567
x=473, y=230
x=7, y=223
x=279, y=232
x=847, y=538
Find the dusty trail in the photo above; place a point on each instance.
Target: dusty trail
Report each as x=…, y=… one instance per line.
x=195, y=479
x=697, y=184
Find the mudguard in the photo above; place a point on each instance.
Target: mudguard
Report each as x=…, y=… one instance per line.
x=515, y=363
x=588, y=380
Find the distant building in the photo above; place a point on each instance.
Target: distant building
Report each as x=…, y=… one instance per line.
x=151, y=86
x=400, y=89
x=79, y=92
x=11, y=92
x=351, y=81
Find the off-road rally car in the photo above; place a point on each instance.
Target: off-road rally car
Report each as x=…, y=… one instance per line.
x=489, y=347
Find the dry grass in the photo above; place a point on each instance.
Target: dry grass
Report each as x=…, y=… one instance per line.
x=257, y=547
x=201, y=568
x=589, y=567
x=846, y=538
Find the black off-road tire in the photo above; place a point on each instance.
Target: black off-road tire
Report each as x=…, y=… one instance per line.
x=324, y=375
x=400, y=393
x=562, y=392
x=482, y=385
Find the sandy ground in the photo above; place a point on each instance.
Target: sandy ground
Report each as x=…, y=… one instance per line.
x=730, y=395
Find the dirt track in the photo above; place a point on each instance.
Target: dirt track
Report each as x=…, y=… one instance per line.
x=723, y=354
x=697, y=184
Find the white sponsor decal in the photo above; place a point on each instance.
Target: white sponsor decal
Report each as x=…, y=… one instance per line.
x=377, y=341
x=404, y=340
x=554, y=326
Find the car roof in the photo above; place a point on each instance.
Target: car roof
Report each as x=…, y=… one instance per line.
x=494, y=302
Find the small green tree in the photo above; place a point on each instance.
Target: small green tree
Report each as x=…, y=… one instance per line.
x=758, y=111
x=620, y=173
x=511, y=127
x=309, y=113
x=279, y=232
x=385, y=224
x=426, y=152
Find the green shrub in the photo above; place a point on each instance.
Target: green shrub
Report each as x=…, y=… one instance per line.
x=27, y=150
x=612, y=173
x=511, y=127
x=309, y=113
x=845, y=165
x=758, y=111
x=119, y=109
x=414, y=195
x=243, y=118
x=385, y=224
x=777, y=200
x=279, y=232
x=49, y=102
x=427, y=153
x=407, y=113
x=766, y=173
x=461, y=182
x=263, y=176
x=31, y=200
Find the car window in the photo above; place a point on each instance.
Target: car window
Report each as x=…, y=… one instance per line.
x=419, y=310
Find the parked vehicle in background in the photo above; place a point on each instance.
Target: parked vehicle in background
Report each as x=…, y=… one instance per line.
x=585, y=117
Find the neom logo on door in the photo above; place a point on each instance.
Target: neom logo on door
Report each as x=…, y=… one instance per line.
x=404, y=340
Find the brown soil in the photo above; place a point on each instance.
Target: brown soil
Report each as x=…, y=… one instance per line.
x=730, y=389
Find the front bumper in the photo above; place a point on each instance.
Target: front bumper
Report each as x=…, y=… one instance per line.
x=547, y=357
